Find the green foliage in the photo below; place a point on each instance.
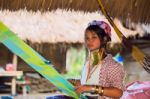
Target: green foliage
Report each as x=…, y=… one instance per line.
x=75, y=62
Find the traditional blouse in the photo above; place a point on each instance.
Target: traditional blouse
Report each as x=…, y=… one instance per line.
x=111, y=74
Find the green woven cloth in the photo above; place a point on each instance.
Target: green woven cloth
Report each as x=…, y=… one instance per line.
x=36, y=61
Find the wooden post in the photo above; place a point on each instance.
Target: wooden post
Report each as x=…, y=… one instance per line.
x=13, y=86
x=15, y=62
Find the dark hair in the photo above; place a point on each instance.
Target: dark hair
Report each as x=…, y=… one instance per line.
x=100, y=32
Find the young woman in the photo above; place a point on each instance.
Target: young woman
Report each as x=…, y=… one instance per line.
x=102, y=77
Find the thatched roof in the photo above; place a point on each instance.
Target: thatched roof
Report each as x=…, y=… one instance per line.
x=39, y=21
x=56, y=26
x=136, y=10
x=52, y=27
x=48, y=5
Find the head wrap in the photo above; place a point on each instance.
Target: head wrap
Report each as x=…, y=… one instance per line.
x=102, y=25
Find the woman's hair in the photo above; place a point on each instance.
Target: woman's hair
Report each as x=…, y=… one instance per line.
x=103, y=36
x=101, y=28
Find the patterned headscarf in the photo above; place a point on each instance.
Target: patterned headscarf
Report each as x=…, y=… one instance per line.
x=102, y=25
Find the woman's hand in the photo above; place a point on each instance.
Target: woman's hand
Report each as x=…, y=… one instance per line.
x=75, y=82
x=83, y=88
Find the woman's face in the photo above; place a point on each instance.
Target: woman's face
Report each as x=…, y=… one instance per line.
x=92, y=40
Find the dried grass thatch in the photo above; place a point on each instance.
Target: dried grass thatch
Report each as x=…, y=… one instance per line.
x=135, y=10
x=55, y=26
x=49, y=5
x=52, y=27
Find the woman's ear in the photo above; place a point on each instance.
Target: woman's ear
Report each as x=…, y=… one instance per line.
x=107, y=39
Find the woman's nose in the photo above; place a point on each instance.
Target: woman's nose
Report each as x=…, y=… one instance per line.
x=90, y=40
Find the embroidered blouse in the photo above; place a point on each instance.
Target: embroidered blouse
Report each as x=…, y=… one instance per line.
x=111, y=74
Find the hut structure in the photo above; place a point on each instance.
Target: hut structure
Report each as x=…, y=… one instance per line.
x=52, y=27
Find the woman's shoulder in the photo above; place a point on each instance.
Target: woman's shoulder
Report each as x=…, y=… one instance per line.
x=109, y=61
x=113, y=67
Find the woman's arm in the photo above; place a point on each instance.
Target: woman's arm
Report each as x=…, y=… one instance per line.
x=75, y=82
x=112, y=92
x=103, y=91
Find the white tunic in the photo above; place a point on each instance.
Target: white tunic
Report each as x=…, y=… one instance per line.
x=94, y=75
x=93, y=79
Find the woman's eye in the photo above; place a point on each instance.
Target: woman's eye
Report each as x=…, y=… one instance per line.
x=86, y=38
x=94, y=37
